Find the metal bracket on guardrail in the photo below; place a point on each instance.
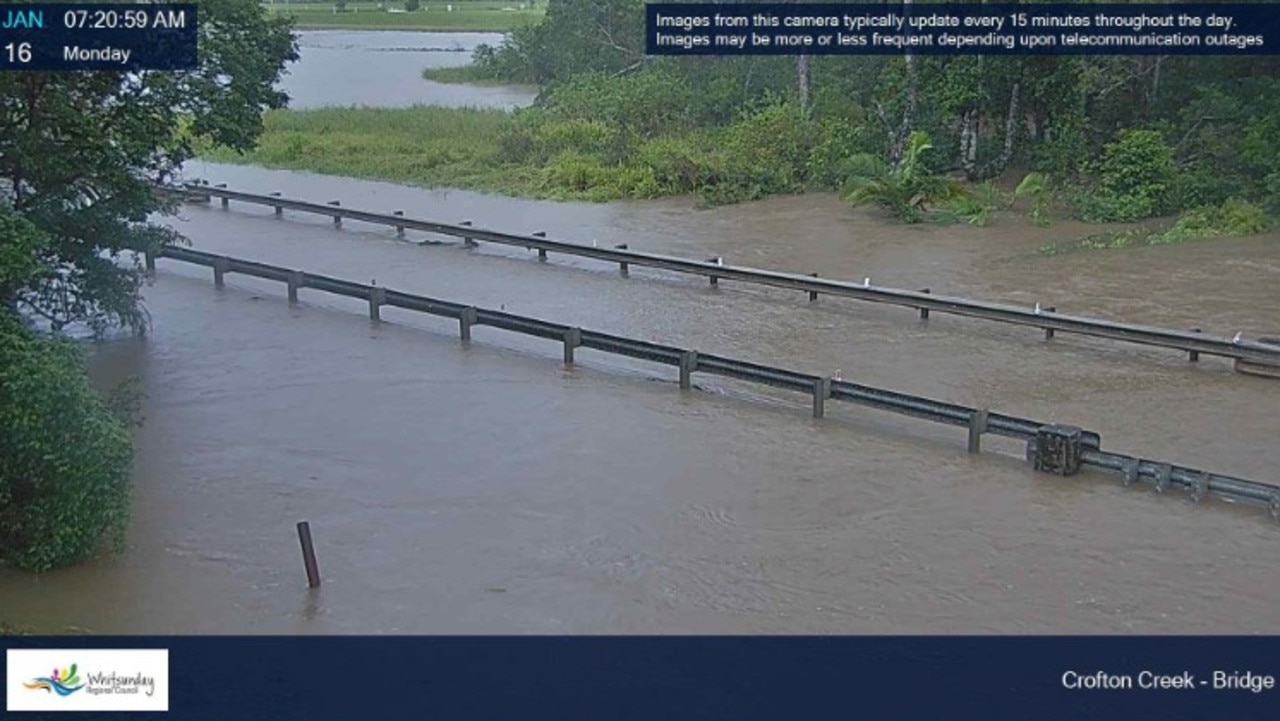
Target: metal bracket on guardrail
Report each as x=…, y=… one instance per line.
x=1164, y=477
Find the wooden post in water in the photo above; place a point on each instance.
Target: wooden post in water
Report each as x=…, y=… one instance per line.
x=924, y=312
x=309, y=554
x=572, y=339
x=977, y=426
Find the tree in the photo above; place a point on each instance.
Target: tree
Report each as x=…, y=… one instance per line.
x=80, y=154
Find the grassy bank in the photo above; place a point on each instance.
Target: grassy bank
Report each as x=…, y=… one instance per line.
x=463, y=75
x=467, y=15
x=430, y=147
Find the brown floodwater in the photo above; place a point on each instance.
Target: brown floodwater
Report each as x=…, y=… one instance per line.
x=487, y=489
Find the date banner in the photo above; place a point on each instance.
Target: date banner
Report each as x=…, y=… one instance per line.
x=651, y=678
x=122, y=37
x=963, y=29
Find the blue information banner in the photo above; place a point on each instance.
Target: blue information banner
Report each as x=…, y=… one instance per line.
x=963, y=28
x=122, y=37
x=538, y=678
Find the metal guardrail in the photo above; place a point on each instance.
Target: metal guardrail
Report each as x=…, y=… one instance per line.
x=1085, y=447
x=1193, y=342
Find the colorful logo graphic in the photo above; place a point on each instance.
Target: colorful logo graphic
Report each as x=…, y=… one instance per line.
x=63, y=683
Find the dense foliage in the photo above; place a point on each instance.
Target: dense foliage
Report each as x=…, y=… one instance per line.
x=1120, y=137
x=79, y=156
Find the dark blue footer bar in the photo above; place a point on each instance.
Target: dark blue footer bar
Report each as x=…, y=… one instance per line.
x=539, y=678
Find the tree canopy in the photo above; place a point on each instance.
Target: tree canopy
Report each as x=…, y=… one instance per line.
x=80, y=154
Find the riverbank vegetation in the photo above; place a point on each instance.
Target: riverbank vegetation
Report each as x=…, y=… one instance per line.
x=421, y=15
x=1103, y=139
x=78, y=161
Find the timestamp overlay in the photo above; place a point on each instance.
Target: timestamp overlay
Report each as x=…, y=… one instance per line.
x=962, y=28
x=122, y=37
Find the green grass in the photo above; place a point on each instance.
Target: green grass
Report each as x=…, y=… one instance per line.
x=426, y=146
x=462, y=74
x=467, y=15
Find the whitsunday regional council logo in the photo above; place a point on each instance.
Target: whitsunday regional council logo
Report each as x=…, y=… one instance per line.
x=87, y=680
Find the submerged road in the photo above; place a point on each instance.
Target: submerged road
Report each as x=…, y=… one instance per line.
x=487, y=490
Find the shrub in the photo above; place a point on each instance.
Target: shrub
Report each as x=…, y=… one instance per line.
x=65, y=458
x=1134, y=179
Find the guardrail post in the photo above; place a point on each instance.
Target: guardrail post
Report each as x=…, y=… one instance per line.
x=279, y=209
x=1274, y=506
x=1200, y=487
x=377, y=297
x=1194, y=356
x=399, y=228
x=821, y=392
x=337, y=219
x=1048, y=332
x=542, y=255
x=688, y=364
x=467, y=241
x=149, y=262
x=977, y=426
x=221, y=266
x=924, y=312
x=1058, y=449
x=623, y=266
x=1164, y=477
x=226, y=202
x=466, y=319
x=572, y=339
x=1130, y=471
x=813, y=294
x=296, y=280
